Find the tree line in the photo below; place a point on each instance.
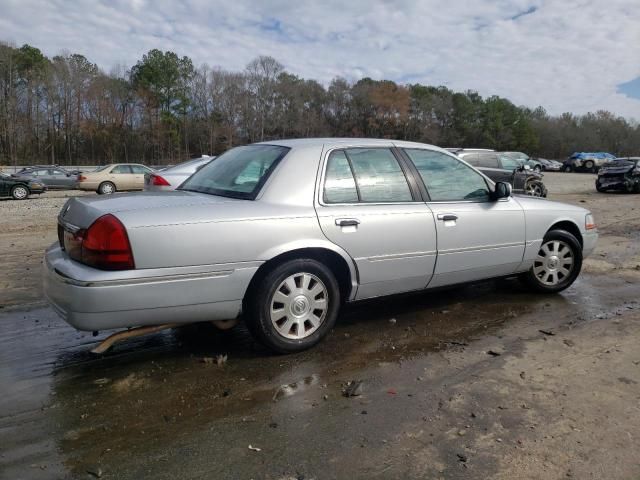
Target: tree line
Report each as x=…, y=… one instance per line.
x=163, y=109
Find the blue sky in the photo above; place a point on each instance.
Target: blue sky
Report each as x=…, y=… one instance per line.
x=566, y=55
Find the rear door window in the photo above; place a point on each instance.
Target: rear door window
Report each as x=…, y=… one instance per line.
x=378, y=174
x=339, y=184
x=488, y=160
x=121, y=169
x=140, y=169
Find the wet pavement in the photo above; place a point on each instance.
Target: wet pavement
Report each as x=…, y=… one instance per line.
x=433, y=402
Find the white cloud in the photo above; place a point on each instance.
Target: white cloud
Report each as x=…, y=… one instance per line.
x=566, y=55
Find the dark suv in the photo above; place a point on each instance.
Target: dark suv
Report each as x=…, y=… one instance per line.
x=500, y=167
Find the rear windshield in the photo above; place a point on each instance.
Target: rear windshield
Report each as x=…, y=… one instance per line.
x=238, y=173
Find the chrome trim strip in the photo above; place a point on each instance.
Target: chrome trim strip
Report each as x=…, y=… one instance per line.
x=136, y=281
x=480, y=248
x=398, y=256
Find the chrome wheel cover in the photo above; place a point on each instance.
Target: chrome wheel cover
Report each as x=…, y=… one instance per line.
x=20, y=193
x=107, y=188
x=554, y=263
x=299, y=306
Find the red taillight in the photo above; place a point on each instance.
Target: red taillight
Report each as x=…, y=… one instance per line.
x=81, y=178
x=159, y=181
x=105, y=245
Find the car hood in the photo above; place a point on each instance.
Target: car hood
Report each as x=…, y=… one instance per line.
x=143, y=208
x=616, y=170
x=538, y=203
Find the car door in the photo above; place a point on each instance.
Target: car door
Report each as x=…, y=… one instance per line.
x=489, y=164
x=61, y=179
x=510, y=164
x=122, y=177
x=477, y=237
x=369, y=205
x=5, y=186
x=138, y=176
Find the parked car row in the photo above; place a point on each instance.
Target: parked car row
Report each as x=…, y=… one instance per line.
x=104, y=180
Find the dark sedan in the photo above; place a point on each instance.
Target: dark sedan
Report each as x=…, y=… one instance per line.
x=621, y=174
x=51, y=176
x=18, y=188
x=504, y=168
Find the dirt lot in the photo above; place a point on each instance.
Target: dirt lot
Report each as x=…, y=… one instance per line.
x=558, y=398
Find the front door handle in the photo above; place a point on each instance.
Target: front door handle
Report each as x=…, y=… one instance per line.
x=445, y=217
x=347, y=222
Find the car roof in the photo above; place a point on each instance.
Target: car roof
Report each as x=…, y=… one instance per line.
x=329, y=142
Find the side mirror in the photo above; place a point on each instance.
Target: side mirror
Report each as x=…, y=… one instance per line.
x=502, y=190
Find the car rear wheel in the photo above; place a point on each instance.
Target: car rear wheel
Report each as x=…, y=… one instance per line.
x=20, y=192
x=567, y=168
x=537, y=168
x=557, y=264
x=106, y=188
x=293, y=306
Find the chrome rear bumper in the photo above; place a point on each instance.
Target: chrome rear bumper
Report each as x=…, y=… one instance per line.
x=102, y=304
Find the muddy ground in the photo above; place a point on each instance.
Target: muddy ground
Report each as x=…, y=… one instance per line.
x=557, y=397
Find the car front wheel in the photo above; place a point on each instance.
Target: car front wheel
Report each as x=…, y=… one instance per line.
x=19, y=192
x=293, y=306
x=557, y=264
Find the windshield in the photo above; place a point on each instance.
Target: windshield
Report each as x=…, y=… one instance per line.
x=238, y=173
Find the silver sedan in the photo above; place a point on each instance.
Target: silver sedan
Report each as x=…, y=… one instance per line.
x=172, y=177
x=280, y=234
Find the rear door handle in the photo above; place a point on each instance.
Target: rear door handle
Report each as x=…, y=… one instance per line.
x=347, y=222
x=445, y=217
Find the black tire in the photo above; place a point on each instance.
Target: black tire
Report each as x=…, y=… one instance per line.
x=599, y=188
x=537, y=168
x=567, y=168
x=533, y=280
x=20, y=192
x=535, y=188
x=106, y=188
x=589, y=166
x=260, y=298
